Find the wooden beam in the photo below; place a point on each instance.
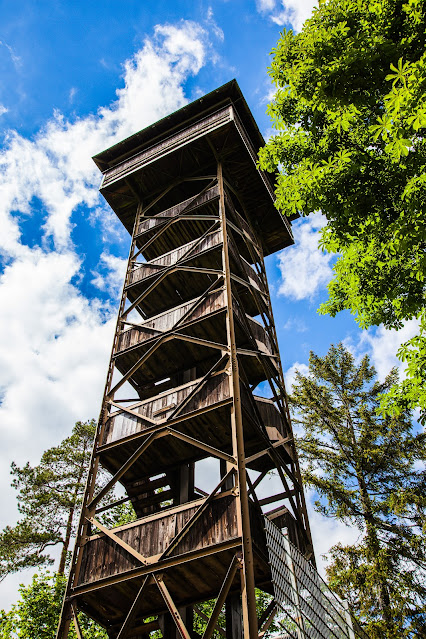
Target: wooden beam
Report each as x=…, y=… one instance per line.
x=76, y=622
x=125, y=467
x=124, y=630
x=203, y=616
x=271, y=611
x=137, y=555
x=172, y=607
x=234, y=565
x=181, y=534
x=215, y=452
x=170, y=562
x=270, y=500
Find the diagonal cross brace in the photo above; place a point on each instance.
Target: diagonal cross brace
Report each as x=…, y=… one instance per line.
x=235, y=564
x=172, y=607
x=181, y=534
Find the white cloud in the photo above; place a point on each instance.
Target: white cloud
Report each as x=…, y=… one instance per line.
x=218, y=32
x=266, y=5
x=73, y=92
x=382, y=345
x=16, y=59
x=56, y=166
x=55, y=342
x=110, y=274
x=293, y=12
x=295, y=324
x=53, y=357
x=290, y=374
x=3, y=109
x=304, y=268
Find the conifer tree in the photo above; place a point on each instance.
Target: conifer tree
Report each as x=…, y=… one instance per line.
x=363, y=467
x=49, y=498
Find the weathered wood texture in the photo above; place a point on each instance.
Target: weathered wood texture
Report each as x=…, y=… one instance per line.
x=182, y=316
x=102, y=557
x=166, y=321
x=189, y=143
x=188, y=343
x=160, y=408
x=186, y=252
x=191, y=205
x=122, y=425
x=171, y=144
x=212, y=427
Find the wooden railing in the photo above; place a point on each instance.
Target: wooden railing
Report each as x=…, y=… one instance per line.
x=214, y=391
x=151, y=536
x=122, y=424
x=186, y=207
x=187, y=312
x=142, y=271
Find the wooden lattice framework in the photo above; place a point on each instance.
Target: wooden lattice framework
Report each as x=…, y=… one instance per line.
x=188, y=345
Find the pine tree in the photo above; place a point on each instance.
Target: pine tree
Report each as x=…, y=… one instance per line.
x=49, y=497
x=363, y=466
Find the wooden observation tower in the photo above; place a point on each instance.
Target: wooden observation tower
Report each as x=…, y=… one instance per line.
x=195, y=337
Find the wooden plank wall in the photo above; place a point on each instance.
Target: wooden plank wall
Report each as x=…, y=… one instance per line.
x=103, y=557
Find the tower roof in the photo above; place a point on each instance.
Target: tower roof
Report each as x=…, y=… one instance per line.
x=188, y=142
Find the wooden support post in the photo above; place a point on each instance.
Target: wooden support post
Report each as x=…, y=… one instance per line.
x=348, y=617
x=191, y=360
x=243, y=514
x=235, y=564
x=233, y=617
x=76, y=623
x=267, y=618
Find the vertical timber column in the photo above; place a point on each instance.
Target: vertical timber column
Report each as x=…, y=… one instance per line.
x=243, y=514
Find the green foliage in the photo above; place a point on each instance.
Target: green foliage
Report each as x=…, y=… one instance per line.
x=49, y=497
x=350, y=111
x=354, y=575
x=206, y=608
x=363, y=466
x=36, y=615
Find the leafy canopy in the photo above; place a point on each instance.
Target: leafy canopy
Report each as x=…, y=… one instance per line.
x=350, y=114
x=36, y=614
x=364, y=467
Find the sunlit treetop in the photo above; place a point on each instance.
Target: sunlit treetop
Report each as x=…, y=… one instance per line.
x=350, y=114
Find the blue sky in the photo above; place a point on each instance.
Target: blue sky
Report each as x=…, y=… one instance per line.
x=77, y=77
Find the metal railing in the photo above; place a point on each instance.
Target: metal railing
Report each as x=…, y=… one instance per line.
x=309, y=609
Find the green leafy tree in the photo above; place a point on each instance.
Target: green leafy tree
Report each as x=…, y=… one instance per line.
x=49, y=498
x=36, y=614
x=350, y=114
x=363, y=466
